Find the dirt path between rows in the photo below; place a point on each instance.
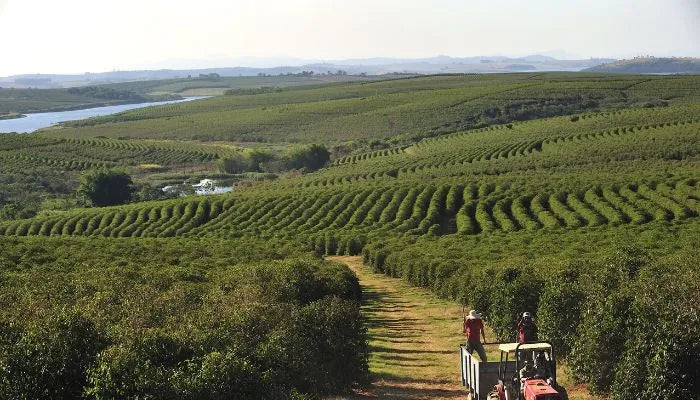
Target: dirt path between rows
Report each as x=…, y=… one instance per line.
x=414, y=338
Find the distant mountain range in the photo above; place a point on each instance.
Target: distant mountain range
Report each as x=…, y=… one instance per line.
x=651, y=65
x=369, y=66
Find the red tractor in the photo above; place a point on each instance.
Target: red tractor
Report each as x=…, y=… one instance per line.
x=524, y=372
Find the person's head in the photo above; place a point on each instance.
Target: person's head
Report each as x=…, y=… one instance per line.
x=527, y=316
x=528, y=365
x=473, y=314
x=540, y=360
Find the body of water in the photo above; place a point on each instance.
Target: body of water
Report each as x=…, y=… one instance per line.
x=204, y=187
x=36, y=121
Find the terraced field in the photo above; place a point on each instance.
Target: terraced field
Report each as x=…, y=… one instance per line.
x=20, y=152
x=407, y=209
x=400, y=110
x=559, y=173
x=431, y=127
x=657, y=134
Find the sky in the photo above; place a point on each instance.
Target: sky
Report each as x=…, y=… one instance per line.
x=76, y=36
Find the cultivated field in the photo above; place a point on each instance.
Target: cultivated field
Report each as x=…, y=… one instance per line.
x=394, y=110
x=574, y=196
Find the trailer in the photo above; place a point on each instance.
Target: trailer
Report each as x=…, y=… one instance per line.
x=513, y=376
x=478, y=377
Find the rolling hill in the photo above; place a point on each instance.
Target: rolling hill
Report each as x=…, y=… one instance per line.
x=391, y=110
x=651, y=65
x=275, y=67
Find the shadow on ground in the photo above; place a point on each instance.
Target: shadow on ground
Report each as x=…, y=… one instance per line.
x=409, y=359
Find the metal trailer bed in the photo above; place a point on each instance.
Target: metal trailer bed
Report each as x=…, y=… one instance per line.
x=478, y=377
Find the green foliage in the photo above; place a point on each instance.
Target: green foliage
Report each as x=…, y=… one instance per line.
x=559, y=309
x=624, y=318
x=515, y=290
x=257, y=159
x=660, y=357
x=50, y=359
x=101, y=92
x=310, y=157
x=148, y=192
x=104, y=187
x=646, y=342
x=176, y=319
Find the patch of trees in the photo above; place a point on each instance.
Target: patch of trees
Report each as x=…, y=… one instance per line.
x=148, y=192
x=540, y=108
x=212, y=76
x=101, y=92
x=307, y=158
x=515, y=111
x=310, y=157
x=22, y=193
x=249, y=91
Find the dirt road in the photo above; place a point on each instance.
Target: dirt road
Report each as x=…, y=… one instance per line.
x=414, y=338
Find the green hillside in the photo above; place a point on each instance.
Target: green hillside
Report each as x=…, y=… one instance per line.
x=574, y=196
x=217, y=85
x=589, y=170
x=14, y=100
x=352, y=119
x=396, y=110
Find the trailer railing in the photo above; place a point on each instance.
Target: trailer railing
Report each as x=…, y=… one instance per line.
x=478, y=377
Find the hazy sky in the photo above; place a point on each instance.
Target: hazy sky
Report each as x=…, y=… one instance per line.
x=75, y=36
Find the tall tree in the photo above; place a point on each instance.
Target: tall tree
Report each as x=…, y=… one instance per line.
x=106, y=187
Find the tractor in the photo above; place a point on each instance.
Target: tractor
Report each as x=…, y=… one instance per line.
x=523, y=372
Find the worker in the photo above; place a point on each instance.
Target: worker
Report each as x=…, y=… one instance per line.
x=527, y=330
x=540, y=365
x=474, y=327
x=527, y=372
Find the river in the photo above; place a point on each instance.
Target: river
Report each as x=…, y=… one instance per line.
x=34, y=121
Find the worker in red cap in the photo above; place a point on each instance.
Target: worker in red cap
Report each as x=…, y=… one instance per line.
x=474, y=327
x=527, y=330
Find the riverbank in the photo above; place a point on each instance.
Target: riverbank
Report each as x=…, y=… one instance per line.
x=88, y=106
x=4, y=116
x=34, y=121
x=30, y=101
